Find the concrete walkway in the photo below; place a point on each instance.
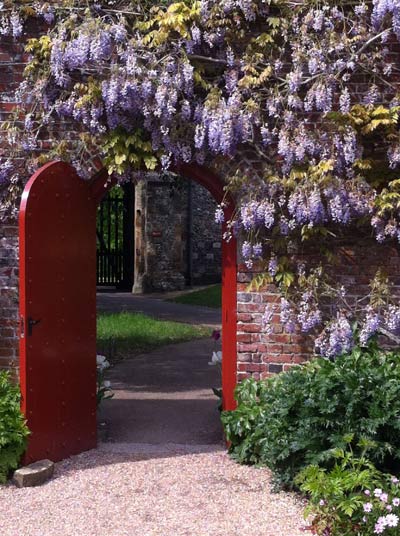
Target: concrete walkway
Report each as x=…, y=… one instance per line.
x=165, y=396
x=156, y=306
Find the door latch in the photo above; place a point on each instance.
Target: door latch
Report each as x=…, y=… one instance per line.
x=31, y=324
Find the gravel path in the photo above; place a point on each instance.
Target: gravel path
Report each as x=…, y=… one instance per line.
x=125, y=489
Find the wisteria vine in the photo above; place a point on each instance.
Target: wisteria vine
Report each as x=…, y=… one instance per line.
x=309, y=87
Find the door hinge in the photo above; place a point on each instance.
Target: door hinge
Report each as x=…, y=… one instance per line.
x=22, y=327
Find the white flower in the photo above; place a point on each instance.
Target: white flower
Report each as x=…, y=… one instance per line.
x=396, y=501
x=378, y=492
x=100, y=359
x=102, y=362
x=216, y=358
x=107, y=384
x=391, y=520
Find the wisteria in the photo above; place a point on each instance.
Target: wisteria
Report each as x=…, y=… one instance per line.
x=309, y=90
x=336, y=339
x=371, y=326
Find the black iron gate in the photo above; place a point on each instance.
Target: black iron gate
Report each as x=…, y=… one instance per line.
x=115, y=238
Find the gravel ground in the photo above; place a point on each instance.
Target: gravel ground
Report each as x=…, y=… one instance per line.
x=151, y=490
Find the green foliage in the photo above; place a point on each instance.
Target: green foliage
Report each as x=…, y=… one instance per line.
x=126, y=150
x=296, y=418
x=40, y=50
x=388, y=202
x=174, y=21
x=13, y=430
x=367, y=119
x=207, y=297
x=135, y=333
x=336, y=497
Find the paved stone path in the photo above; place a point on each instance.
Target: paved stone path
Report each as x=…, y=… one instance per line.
x=165, y=396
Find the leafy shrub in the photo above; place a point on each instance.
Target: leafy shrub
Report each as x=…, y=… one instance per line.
x=351, y=499
x=295, y=419
x=13, y=430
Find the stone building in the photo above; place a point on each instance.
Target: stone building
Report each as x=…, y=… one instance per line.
x=158, y=235
x=177, y=242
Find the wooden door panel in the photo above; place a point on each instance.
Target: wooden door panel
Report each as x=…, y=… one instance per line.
x=58, y=290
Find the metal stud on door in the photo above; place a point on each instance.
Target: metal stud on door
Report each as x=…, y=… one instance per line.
x=58, y=313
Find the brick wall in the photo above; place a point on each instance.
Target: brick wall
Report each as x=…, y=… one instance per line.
x=9, y=296
x=260, y=354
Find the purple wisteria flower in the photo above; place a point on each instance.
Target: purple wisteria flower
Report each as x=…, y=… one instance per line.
x=257, y=250
x=392, y=318
x=287, y=316
x=16, y=25
x=370, y=327
x=273, y=266
x=6, y=170
x=309, y=315
x=219, y=215
x=336, y=339
x=266, y=320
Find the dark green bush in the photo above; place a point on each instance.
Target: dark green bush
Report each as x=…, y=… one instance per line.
x=296, y=418
x=13, y=430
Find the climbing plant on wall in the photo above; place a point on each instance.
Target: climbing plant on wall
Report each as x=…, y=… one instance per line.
x=309, y=86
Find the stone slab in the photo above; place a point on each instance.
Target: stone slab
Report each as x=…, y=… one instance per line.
x=34, y=474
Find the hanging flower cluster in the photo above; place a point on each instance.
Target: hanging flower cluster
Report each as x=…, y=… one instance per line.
x=309, y=87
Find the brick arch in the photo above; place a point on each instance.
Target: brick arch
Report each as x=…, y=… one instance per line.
x=214, y=184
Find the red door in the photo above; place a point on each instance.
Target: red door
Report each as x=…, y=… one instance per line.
x=58, y=313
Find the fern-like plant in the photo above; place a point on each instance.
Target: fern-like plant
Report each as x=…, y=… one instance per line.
x=13, y=429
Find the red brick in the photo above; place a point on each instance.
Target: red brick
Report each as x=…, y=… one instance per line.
x=244, y=317
x=9, y=343
x=250, y=367
x=250, y=328
x=243, y=337
x=274, y=348
x=245, y=358
x=7, y=332
x=242, y=376
x=242, y=347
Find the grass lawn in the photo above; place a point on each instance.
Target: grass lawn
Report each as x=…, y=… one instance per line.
x=208, y=297
x=120, y=334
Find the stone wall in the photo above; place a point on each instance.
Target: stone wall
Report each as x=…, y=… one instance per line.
x=177, y=241
x=9, y=297
x=205, y=239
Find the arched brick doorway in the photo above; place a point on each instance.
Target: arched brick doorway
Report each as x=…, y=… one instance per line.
x=58, y=306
